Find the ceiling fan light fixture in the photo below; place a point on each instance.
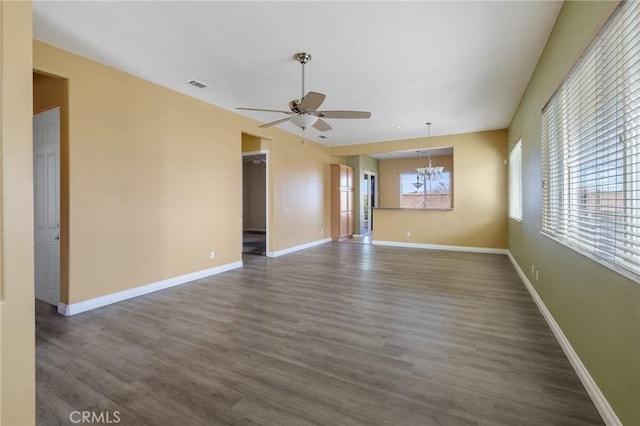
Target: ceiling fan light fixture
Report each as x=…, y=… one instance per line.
x=304, y=120
x=304, y=111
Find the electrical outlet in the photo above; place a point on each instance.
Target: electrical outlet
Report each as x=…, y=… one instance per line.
x=536, y=275
x=213, y=254
x=408, y=234
x=322, y=231
x=533, y=269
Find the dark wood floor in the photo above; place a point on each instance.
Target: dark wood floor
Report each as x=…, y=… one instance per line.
x=340, y=334
x=254, y=242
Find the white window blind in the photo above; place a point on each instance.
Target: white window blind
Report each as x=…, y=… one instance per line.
x=591, y=149
x=515, y=182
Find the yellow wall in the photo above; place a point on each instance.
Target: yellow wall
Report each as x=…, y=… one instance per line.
x=251, y=143
x=479, y=217
x=48, y=92
x=390, y=171
x=17, y=323
x=155, y=180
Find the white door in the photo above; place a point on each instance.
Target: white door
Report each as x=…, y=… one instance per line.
x=46, y=193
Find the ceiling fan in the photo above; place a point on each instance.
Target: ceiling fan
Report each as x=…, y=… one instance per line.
x=304, y=111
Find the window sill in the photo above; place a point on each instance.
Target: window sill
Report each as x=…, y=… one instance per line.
x=410, y=209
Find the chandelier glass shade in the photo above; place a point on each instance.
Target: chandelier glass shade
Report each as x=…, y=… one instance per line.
x=429, y=173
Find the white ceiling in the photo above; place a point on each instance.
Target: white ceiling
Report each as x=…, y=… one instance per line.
x=461, y=65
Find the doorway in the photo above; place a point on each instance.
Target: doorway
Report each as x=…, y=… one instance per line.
x=46, y=197
x=369, y=200
x=254, y=203
x=51, y=187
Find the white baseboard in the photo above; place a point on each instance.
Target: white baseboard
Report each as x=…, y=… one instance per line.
x=297, y=248
x=602, y=405
x=440, y=247
x=97, y=302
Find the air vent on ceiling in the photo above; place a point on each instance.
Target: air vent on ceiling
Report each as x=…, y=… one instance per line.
x=197, y=84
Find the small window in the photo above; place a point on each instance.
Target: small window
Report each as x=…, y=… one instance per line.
x=515, y=182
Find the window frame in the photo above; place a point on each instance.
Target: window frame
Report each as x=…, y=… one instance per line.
x=590, y=141
x=515, y=182
x=446, y=175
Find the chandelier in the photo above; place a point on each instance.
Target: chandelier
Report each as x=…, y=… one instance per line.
x=429, y=173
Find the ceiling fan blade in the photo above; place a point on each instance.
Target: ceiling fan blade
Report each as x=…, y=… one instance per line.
x=267, y=110
x=321, y=125
x=311, y=102
x=275, y=123
x=343, y=114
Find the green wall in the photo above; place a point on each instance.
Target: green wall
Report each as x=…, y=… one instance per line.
x=369, y=163
x=597, y=309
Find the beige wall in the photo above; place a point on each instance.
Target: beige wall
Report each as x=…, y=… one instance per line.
x=597, y=309
x=390, y=171
x=299, y=181
x=479, y=217
x=298, y=210
x=17, y=323
x=155, y=180
x=145, y=180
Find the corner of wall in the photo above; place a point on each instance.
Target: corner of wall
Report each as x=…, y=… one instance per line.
x=17, y=317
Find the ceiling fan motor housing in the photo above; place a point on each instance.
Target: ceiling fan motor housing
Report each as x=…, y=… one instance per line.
x=302, y=57
x=293, y=105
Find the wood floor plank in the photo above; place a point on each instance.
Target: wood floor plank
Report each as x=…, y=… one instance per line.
x=340, y=334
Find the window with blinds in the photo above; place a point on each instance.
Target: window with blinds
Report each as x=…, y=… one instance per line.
x=591, y=149
x=515, y=182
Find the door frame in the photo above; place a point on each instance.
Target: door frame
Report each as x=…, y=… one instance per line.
x=266, y=197
x=367, y=191
x=59, y=197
